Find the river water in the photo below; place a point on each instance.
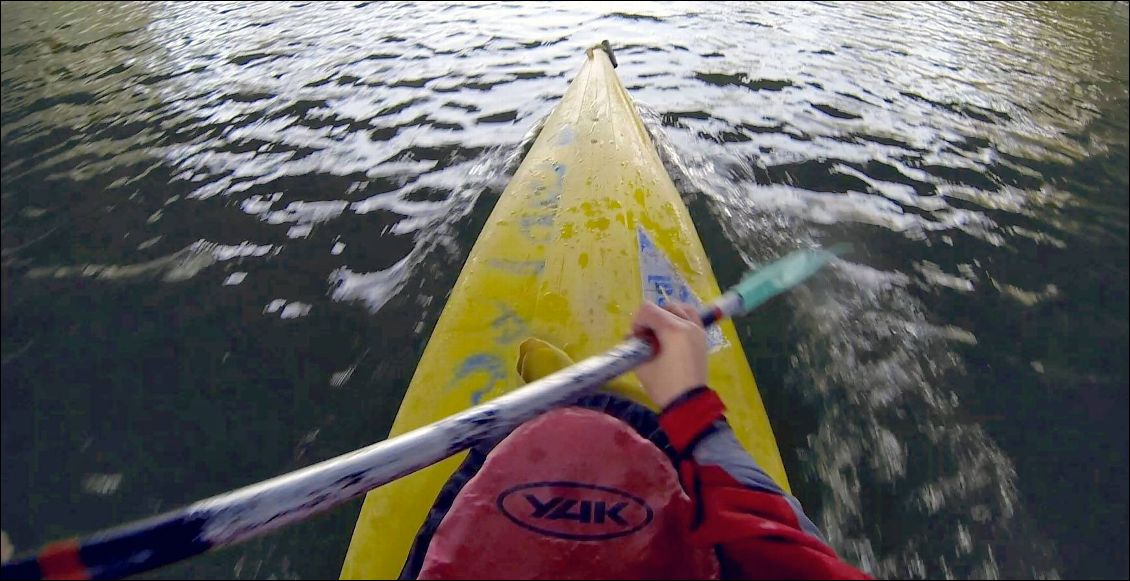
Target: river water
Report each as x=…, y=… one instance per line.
x=229, y=229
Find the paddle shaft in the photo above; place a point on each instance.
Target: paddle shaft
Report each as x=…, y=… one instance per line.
x=269, y=505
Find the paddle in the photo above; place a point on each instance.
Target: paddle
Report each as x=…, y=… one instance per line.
x=257, y=509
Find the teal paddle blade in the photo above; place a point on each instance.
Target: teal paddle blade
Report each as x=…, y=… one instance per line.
x=782, y=275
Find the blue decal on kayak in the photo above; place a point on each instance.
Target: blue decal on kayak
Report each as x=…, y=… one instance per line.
x=565, y=136
x=480, y=363
x=558, y=182
x=508, y=325
x=543, y=203
x=528, y=222
x=517, y=266
x=662, y=284
x=545, y=198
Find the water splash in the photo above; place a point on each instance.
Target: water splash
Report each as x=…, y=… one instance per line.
x=433, y=224
x=891, y=444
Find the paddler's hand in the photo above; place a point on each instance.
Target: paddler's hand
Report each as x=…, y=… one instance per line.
x=680, y=365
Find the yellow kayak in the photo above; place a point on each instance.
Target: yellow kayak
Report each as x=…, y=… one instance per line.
x=588, y=228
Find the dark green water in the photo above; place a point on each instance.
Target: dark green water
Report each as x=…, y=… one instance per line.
x=228, y=231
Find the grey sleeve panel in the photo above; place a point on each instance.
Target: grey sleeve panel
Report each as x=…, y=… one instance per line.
x=720, y=448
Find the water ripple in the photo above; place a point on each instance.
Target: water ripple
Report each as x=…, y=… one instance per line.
x=265, y=184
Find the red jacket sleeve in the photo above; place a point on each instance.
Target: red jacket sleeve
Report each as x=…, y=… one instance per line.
x=761, y=531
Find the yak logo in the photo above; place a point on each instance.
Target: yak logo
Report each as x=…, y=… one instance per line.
x=575, y=510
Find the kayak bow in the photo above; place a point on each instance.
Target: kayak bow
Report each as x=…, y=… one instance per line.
x=589, y=227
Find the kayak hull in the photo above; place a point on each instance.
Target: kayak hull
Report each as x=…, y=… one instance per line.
x=590, y=226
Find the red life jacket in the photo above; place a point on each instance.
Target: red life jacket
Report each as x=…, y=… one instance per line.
x=573, y=494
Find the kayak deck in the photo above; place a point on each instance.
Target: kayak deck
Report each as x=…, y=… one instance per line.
x=588, y=228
